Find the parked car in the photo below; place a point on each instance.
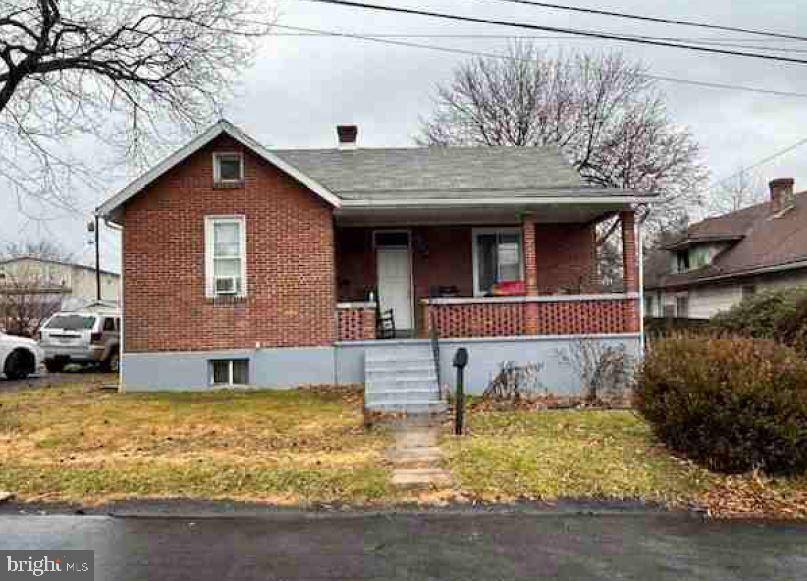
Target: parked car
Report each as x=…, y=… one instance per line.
x=86, y=337
x=19, y=356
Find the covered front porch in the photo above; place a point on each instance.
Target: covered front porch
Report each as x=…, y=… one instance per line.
x=493, y=271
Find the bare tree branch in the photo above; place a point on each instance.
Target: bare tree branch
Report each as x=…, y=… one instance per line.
x=602, y=111
x=114, y=71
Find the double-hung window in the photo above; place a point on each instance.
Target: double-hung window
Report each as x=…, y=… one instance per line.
x=225, y=256
x=497, y=257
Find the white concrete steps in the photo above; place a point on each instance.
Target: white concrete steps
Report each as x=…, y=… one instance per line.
x=401, y=379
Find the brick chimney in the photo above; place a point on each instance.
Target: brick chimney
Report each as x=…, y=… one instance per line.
x=348, y=135
x=781, y=194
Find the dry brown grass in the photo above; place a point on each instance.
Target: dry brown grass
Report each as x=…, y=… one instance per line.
x=76, y=443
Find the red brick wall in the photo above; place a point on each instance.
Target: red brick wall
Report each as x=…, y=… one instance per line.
x=356, y=323
x=290, y=261
x=441, y=255
x=355, y=263
x=566, y=257
x=575, y=317
x=503, y=319
x=474, y=319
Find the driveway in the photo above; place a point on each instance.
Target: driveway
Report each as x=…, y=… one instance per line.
x=449, y=545
x=45, y=379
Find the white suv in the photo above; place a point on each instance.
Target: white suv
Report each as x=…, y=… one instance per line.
x=19, y=357
x=82, y=337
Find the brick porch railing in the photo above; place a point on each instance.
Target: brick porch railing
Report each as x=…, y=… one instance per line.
x=507, y=316
x=355, y=321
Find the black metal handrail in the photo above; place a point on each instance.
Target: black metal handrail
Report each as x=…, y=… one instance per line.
x=435, y=343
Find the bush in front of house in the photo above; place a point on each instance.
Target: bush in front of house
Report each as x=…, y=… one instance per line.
x=730, y=404
x=763, y=314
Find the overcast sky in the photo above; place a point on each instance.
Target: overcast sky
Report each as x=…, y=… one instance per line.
x=300, y=88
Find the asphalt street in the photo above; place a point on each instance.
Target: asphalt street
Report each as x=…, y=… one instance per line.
x=447, y=545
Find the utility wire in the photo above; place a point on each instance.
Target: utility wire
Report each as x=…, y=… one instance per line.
x=655, y=19
x=573, y=31
x=762, y=161
x=316, y=32
x=545, y=37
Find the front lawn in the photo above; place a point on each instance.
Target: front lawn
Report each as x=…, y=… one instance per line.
x=608, y=454
x=76, y=443
x=79, y=444
x=568, y=453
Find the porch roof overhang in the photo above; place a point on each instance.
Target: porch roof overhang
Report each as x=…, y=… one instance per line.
x=484, y=209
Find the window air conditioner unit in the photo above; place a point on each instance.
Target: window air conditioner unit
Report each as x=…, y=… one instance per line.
x=226, y=285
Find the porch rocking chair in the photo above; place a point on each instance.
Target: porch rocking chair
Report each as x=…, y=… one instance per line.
x=385, y=324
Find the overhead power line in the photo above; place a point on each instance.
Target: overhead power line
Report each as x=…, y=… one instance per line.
x=573, y=31
x=760, y=162
x=533, y=37
x=657, y=20
x=384, y=40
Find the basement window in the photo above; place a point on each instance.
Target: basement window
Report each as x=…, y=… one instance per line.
x=228, y=168
x=229, y=372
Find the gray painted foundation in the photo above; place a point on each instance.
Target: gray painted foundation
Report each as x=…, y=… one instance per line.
x=344, y=363
x=189, y=370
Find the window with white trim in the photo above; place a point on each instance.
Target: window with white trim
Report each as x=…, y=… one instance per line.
x=228, y=168
x=497, y=257
x=229, y=371
x=225, y=256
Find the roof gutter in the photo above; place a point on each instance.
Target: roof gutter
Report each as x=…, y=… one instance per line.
x=371, y=204
x=687, y=242
x=795, y=265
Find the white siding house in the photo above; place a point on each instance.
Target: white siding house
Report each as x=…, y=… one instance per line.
x=75, y=284
x=720, y=260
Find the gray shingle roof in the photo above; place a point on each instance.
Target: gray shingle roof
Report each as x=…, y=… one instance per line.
x=453, y=172
x=375, y=177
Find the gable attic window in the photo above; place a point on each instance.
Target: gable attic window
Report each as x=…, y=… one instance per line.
x=228, y=169
x=225, y=256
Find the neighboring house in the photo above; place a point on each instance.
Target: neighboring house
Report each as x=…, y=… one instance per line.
x=720, y=260
x=245, y=265
x=74, y=283
x=33, y=288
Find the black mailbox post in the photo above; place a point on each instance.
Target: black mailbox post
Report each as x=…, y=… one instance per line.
x=460, y=361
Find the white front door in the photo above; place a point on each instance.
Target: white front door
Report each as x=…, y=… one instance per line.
x=395, y=284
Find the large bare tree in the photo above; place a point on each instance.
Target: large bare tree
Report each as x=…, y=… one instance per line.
x=76, y=72
x=604, y=113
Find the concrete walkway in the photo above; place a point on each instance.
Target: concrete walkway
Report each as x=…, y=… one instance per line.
x=416, y=457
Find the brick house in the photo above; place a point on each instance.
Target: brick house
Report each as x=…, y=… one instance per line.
x=244, y=265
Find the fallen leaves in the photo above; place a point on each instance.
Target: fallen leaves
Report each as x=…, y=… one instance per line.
x=756, y=496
